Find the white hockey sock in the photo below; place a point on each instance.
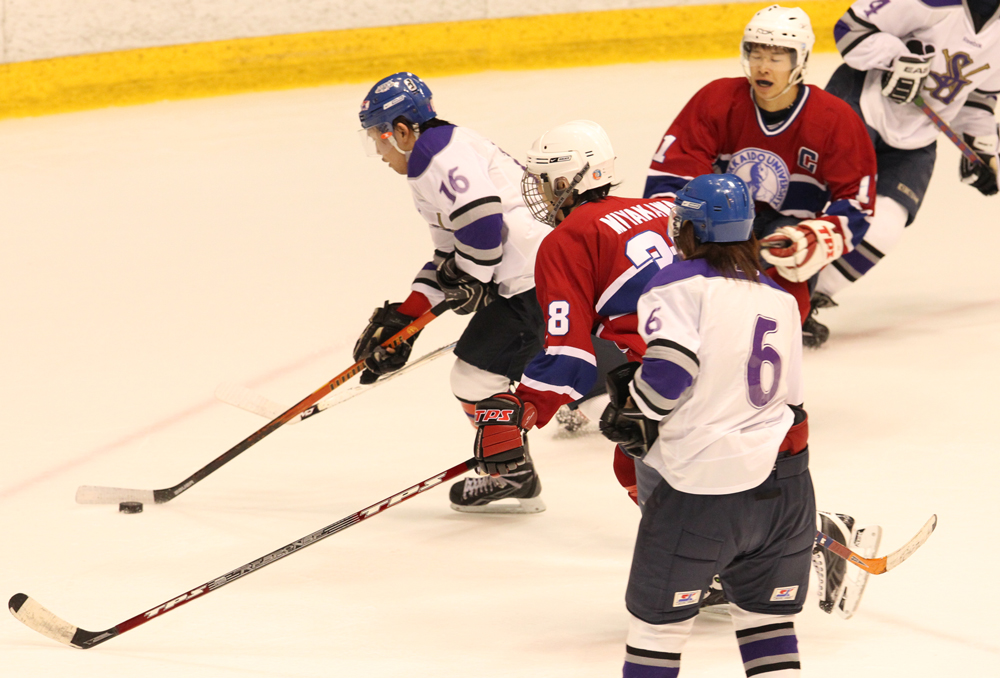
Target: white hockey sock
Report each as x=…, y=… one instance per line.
x=768, y=643
x=654, y=650
x=471, y=384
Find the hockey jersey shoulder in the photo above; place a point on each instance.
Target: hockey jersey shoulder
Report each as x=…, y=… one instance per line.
x=829, y=104
x=430, y=143
x=688, y=269
x=940, y=4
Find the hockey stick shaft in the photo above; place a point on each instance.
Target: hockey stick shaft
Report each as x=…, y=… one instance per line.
x=88, y=494
x=966, y=150
x=245, y=399
x=885, y=563
x=36, y=617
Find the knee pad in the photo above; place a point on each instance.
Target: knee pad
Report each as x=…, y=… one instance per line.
x=471, y=384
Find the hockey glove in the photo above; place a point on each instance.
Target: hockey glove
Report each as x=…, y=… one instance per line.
x=501, y=419
x=981, y=175
x=464, y=293
x=813, y=244
x=903, y=82
x=623, y=421
x=385, y=322
x=767, y=220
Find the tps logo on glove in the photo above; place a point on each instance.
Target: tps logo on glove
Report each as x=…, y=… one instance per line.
x=493, y=415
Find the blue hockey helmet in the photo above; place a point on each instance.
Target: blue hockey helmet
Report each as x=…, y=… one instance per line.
x=400, y=94
x=719, y=207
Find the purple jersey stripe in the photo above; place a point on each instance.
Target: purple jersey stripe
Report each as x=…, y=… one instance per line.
x=429, y=143
x=668, y=379
x=482, y=234
x=692, y=268
x=840, y=29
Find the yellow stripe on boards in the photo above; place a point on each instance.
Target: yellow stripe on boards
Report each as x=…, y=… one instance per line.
x=367, y=54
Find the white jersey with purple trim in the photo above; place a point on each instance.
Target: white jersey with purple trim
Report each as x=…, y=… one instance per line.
x=469, y=192
x=723, y=360
x=965, y=71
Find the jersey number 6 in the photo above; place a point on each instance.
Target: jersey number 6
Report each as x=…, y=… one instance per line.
x=761, y=354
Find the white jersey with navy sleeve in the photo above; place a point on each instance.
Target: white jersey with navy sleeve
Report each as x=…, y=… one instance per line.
x=965, y=71
x=723, y=361
x=469, y=192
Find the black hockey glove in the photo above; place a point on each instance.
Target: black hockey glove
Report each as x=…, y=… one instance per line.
x=464, y=293
x=384, y=323
x=501, y=420
x=902, y=82
x=622, y=421
x=768, y=220
x=981, y=175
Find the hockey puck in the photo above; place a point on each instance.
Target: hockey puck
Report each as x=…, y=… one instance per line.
x=130, y=507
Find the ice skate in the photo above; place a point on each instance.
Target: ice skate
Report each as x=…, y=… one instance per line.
x=517, y=492
x=715, y=601
x=572, y=420
x=815, y=333
x=840, y=587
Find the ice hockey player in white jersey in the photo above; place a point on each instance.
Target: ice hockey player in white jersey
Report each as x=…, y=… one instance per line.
x=467, y=190
x=948, y=53
x=715, y=414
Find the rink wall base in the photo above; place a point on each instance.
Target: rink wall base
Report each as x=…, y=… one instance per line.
x=365, y=55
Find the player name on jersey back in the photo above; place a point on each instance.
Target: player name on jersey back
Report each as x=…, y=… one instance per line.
x=624, y=219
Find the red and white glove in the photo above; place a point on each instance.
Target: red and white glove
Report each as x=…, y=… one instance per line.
x=501, y=419
x=813, y=244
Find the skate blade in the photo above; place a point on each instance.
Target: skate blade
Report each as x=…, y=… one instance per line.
x=532, y=505
x=721, y=610
x=865, y=542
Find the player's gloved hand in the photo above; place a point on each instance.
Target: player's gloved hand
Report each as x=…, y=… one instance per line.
x=981, y=175
x=501, y=419
x=767, y=220
x=464, y=293
x=385, y=322
x=799, y=252
x=622, y=421
x=906, y=76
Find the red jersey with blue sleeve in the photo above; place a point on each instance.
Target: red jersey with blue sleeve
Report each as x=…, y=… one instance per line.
x=818, y=162
x=589, y=273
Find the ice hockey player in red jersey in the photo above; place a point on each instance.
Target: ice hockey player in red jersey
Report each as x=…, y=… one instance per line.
x=804, y=154
x=589, y=274
x=591, y=269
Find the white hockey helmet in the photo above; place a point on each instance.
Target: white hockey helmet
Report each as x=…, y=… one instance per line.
x=782, y=27
x=575, y=156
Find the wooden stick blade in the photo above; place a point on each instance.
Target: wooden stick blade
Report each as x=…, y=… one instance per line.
x=36, y=617
x=896, y=557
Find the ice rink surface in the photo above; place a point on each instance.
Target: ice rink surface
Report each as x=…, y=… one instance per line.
x=150, y=253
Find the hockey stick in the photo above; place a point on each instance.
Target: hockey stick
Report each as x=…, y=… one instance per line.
x=885, y=563
x=91, y=494
x=33, y=615
x=245, y=399
x=969, y=154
